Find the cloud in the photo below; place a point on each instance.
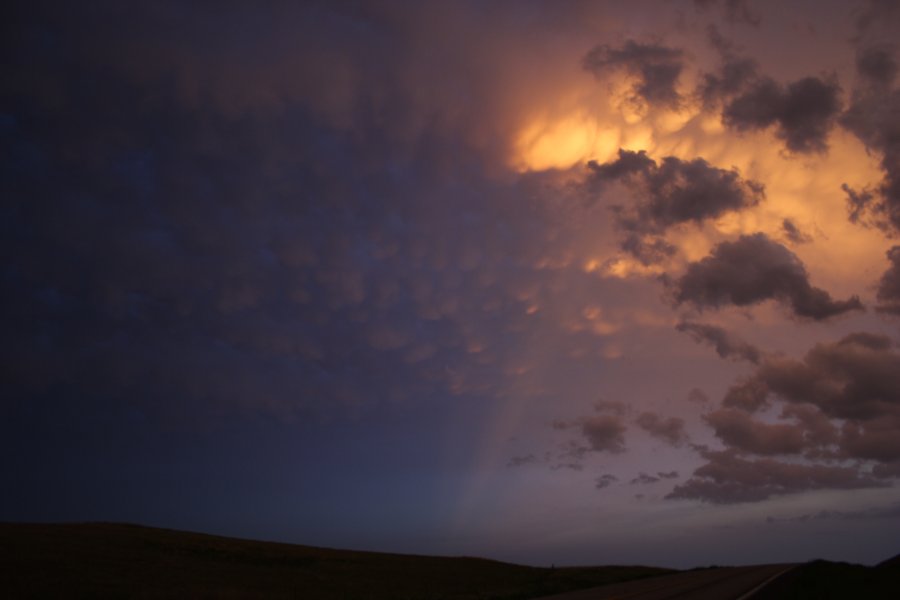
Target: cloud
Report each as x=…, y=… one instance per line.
x=727, y=478
x=727, y=345
x=604, y=433
x=750, y=395
x=604, y=481
x=803, y=112
x=753, y=269
x=643, y=479
x=656, y=67
x=877, y=65
x=872, y=117
x=793, y=233
x=889, y=284
x=738, y=430
x=667, y=475
x=667, y=194
x=668, y=429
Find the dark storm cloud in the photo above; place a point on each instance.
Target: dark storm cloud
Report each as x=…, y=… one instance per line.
x=656, y=67
x=727, y=345
x=667, y=194
x=889, y=285
x=753, y=269
x=803, y=112
x=729, y=479
x=668, y=429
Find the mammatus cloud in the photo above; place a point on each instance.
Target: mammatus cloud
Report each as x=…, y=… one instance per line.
x=727, y=344
x=803, y=112
x=656, y=67
x=753, y=269
x=668, y=429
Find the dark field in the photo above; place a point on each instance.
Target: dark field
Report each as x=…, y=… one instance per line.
x=114, y=560
x=824, y=580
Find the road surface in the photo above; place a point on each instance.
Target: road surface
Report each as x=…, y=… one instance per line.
x=725, y=583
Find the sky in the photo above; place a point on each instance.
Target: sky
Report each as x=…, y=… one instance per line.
x=551, y=282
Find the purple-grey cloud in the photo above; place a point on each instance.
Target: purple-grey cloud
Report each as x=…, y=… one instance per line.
x=753, y=269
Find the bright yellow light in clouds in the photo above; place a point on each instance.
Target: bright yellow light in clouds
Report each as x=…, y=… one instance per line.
x=564, y=143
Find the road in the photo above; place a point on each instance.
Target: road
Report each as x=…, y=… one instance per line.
x=726, y=583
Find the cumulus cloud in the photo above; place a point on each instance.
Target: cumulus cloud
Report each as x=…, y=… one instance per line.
x=803, y=112
x=727, y=344
x=729, y=479
x=669, y=429
x=839, y=403
x=667, y=194
x=656, y=67
x=753, y=269
x=738, y=430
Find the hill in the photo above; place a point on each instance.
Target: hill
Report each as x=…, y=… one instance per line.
x=106, y=559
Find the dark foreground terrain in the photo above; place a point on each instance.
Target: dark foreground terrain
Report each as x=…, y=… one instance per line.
x=104, y=560
x=823, y=580
x=114, y=560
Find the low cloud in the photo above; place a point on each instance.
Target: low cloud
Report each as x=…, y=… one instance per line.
x=670, y=193
x=803, y=112
x=838, y=424
x=604, y=433
x=727, y=478
x=656, y=67
x=727, y=344
x=753, y=269
x=668, y=429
